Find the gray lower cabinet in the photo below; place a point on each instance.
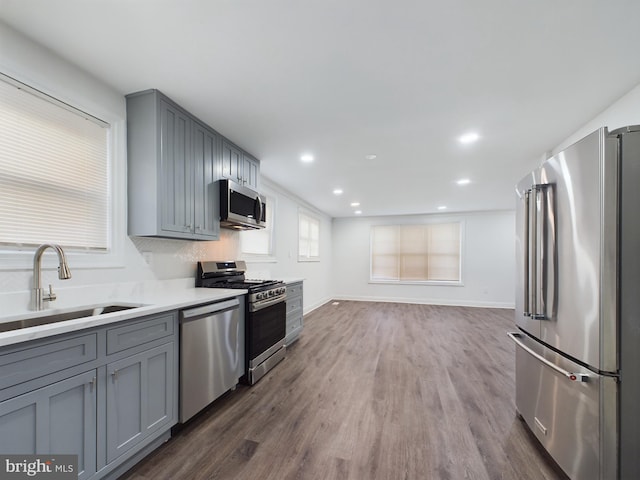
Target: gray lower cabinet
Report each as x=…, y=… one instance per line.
x=172, y=165
x=139, y=398
x=107, y=394
x=295, y=321
x=57, y=419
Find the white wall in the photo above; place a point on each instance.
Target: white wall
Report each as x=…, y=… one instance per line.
x=318, y=284
x=33, y=64
x=168, y=259
x=623, y=112
x=344, y=268
x=177, y=258
x=488, y=261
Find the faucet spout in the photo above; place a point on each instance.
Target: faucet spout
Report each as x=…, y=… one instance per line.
x=37, y=294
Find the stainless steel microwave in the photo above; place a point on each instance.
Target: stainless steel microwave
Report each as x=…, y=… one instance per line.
x=240, y=207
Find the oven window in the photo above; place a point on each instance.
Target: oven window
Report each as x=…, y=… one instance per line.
x=265, y=328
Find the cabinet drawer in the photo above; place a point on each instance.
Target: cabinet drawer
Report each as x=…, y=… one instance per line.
x=293, y=324
x=134, y=334
x=22, y=365
x=294, y=304
x=294, y=290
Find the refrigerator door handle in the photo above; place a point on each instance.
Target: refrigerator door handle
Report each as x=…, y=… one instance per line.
x=549, y=254
x=543, y=262
x=526, y=247
x=570, y=375
x=538, y=308
x=532, y=249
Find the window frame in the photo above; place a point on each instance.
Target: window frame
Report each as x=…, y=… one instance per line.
x=20, y=257
x=450, y=283
x=306, y=213
x=270, y=257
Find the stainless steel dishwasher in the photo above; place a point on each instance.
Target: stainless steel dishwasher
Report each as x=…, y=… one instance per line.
x=211, y=354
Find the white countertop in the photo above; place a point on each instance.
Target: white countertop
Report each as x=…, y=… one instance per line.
x=154, y=297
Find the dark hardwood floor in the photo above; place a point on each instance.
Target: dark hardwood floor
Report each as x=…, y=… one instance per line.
x=370, y=391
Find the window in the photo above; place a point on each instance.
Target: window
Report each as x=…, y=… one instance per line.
x=416, y=253
x=257, y=245
x=308, y=238
x=53, y=172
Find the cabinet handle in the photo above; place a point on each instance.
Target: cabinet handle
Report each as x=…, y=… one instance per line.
x=114, y=375
x=92, y=384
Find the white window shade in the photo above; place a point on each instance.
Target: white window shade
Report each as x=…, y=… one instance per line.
x=416, y=253
x=54, y=180
x=257, y=244
x=308, y=238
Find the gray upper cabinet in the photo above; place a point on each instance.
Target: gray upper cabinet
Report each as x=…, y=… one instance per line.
x=231, y=162
x=238, y=166
x=176, y=173
x=205, y=147
x=173, y=162
x=250, y=171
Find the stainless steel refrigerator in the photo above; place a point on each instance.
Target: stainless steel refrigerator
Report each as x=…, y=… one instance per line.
x=578, y=305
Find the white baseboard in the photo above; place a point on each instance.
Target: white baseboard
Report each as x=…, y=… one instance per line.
x=428, y=301
x=311, y=308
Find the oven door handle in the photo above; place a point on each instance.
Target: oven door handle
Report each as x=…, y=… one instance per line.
x=256, y=306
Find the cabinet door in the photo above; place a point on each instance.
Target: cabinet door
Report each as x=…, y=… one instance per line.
x=231, y=162
x=205, y=158
x=139, y=398
x=250, y=171
x=176, y=170
x=58, y=419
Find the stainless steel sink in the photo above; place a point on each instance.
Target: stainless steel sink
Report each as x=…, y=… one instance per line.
x=61, y=317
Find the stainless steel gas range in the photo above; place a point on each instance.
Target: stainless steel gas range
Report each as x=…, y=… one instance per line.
x=265, y=317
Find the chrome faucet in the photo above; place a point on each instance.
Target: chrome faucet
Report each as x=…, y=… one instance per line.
x=38, y=297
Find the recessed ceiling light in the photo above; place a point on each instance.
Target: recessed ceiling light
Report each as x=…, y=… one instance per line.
x=307, y=158
x=355, y=204
x=468, y=137
x=442, y=207
x=371, y=156
x=337, y=191
x=358, y=212
x=463, y=181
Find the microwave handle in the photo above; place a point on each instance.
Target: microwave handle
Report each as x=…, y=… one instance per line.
x=258, y=210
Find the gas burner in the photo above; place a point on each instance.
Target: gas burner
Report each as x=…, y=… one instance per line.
x=231, y=275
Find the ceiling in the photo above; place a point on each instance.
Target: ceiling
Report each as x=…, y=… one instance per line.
x=342, y=79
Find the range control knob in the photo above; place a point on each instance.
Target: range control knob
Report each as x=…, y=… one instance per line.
x=259, y=296
x=271, y=293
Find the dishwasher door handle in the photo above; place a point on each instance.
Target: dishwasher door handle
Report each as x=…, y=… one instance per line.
x=212, y=308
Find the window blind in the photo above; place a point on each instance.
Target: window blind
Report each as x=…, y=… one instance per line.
x=416, y=252
x=54, y=182
x=308, y=237
x=259, y=242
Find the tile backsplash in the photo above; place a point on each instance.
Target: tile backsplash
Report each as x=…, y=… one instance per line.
x=145, y=259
